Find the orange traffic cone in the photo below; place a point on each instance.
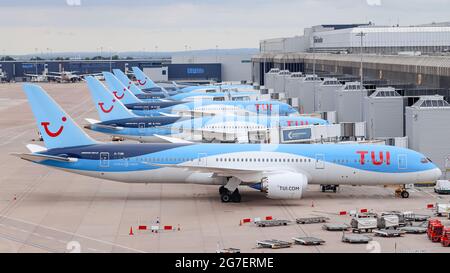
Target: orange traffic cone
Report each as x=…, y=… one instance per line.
x=131, y=231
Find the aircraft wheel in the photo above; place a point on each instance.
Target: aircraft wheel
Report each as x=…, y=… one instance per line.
x=222, y=190
x=236, y=196
x=405, y=194
x=225, y=197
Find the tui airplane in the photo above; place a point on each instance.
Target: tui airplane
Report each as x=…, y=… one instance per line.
x=279, y=171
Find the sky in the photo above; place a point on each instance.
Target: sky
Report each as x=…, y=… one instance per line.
x=49, y=26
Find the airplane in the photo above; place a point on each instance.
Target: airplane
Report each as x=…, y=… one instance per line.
x=235, y=107
x=65, y=76
x=179, y=98
x=136, y=90
x=122, y=93
x=3, y=75
x=201, y=107
x=216, y=96
x=44, y=77
x=281, y=171
x=117, y=120
x=147, y=85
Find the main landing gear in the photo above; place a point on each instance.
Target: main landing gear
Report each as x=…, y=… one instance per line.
x=228, y=196
x=332, y=188
x=402, y=192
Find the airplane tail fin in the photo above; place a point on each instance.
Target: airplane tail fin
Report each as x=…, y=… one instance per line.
x=127, y=82
x=119, y=90
x=108, y=107
x=56, y=127
x=144, y=82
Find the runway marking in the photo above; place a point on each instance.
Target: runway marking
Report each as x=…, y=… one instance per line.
x=73, y=234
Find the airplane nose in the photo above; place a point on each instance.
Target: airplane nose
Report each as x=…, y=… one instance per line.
x=437, y=173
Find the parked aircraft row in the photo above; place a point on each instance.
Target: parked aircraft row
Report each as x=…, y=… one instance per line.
x=279, y=171
x=142, y=120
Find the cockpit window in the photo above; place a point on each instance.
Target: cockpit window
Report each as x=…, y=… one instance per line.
x=425, y=160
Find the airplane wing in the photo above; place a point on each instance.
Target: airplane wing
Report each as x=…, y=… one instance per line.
x=173, y=139
x=168, y=115
x=40, y=157
x=196, y=112
x=245, y=174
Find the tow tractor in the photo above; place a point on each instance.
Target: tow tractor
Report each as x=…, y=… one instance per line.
x=445, y=239
x=435, y=230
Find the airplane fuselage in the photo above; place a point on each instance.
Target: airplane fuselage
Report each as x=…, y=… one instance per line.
x=321, y=163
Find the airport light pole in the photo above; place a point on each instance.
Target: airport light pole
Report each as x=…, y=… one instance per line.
x=361, y=35
x=264, y=66
x=314, y=70
x=110, y=59
x=314, y=54
x=35, y=59
x=284, y=53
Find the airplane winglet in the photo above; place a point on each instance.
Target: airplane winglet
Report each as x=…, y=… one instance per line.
x=174, y=139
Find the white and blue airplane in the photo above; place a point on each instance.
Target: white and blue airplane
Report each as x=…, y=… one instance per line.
x=280, y=171
x=117, y=120
x=185, y=96
x=148, y=85
x=122, y=93
x=196, y=107
x=235, y=107
x=136, y=90
x=216, y=96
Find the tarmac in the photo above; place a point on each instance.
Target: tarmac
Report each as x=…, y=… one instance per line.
x=47, y=210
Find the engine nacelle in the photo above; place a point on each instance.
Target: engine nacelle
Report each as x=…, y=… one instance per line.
x=286, y=185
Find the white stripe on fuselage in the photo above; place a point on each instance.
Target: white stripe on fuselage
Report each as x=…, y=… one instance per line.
x=331, y=173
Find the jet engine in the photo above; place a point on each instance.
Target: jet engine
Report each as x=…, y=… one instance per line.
x=286, y=185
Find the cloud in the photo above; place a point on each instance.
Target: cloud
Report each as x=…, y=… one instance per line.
x=171, y=24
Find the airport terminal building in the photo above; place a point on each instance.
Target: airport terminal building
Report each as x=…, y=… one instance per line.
x=17, y=70
x=405, y=92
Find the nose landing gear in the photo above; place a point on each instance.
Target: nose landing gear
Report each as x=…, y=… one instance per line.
x=402, y=192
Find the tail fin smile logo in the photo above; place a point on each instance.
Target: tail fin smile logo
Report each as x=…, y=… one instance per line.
x=45, y=124
x=142, y=83
x=106, y=110
x=119, y=97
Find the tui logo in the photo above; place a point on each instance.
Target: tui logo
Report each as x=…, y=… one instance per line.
x=382, y=157
x=106, y=110
x=142, y=83
x=117, y=96
x=46, y=124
